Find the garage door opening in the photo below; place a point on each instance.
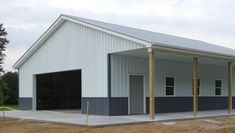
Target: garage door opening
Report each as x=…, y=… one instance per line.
x=59, y=90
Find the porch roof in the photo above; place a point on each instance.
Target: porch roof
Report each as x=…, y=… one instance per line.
x=174, y=56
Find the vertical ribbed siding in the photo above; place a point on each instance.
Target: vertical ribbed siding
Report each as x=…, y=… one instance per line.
x=123, y=65
x=74, y=46
x=97, y=105
x=25, y=103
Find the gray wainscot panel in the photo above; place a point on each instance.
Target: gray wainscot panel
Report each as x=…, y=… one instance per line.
x=97, y=105
x=118, y=106
x=25, y=103
x=182, y=104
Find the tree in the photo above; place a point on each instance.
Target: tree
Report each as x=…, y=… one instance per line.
x=10, y=79
x=3, y=96
x=3, y=43
x=3, y=85
x=3, y=91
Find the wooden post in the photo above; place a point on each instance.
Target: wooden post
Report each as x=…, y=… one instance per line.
x=195, y=86
x=151, y=84
x=230, y=106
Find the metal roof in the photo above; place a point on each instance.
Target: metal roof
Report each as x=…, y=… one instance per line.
x=161, y=39
x=144, y=37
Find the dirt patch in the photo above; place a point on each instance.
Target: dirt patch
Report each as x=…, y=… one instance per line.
x=220, y=125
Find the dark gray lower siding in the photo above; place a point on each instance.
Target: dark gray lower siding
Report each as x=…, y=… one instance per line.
x=118, y=106
x=212, y=103
x=25, y=103
x=97, y=105
x=181, y=104
x=171, y=104
x=101, y=105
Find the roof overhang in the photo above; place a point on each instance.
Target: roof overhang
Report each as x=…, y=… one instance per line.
x=175, y=56
x=58, y=23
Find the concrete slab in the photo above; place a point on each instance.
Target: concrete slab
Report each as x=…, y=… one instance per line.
x=95, y=120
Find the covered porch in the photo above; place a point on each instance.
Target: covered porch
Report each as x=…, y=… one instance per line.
x=170, y=78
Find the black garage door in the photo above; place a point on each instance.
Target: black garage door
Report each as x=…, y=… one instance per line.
x=59, y=90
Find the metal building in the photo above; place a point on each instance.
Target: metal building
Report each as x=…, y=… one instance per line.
x=122, y=70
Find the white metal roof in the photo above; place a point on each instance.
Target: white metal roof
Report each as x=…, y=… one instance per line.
x=163, y=39
x=142, y=36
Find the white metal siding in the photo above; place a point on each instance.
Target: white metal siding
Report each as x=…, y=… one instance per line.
x=74, y=46
x=123, y=65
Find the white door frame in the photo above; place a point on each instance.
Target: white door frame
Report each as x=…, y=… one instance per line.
x=144, y=96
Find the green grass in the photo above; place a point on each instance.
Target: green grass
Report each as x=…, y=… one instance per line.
x=9, y=107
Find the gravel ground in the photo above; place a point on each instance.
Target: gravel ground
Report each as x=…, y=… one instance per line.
x=220, y=125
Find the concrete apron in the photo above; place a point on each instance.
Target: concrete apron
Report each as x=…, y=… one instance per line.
x=96, y=121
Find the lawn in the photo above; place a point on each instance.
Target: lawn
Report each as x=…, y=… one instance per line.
x=9, y=107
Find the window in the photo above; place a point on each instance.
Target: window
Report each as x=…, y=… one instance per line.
x=198, y=87
x=170, y=83
x=218, y=85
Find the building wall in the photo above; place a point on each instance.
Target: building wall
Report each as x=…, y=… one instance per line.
x=123, y=66
x=74, y=46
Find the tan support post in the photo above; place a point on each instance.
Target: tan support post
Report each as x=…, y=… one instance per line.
x=195, y=87
x=230, y=106
x=151, y=84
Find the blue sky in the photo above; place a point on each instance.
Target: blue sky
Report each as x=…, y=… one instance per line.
x=211, y=20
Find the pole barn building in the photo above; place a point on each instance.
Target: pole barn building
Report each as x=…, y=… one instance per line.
x=121, y=70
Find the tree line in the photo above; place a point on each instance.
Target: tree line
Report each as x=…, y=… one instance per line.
x=9, y=88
